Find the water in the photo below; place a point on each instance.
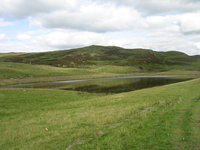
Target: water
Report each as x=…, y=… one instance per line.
x=107, y=85
x=125, y=85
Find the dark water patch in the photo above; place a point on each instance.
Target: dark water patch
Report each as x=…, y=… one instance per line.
x=132, y=85
x=107, y=85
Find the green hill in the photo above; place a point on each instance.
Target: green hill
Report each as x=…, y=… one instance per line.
x=10, y=70
x=143, y=59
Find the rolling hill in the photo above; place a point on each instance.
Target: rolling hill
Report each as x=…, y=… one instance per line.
x=142, y=59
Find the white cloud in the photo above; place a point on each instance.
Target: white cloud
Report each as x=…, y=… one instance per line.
x=43, y=40
x=161, y=40
x=162, y=25
x=190, y=23
x=25, y=8
x=198, y=46
x=2, y=37
x=16, y=46
x=23, y=36
x=167, y=43
x=150, y=7
x=161, y=21
x=91, y=17
x=63, y=39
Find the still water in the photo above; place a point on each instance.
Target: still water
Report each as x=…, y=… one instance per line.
x=107, y=85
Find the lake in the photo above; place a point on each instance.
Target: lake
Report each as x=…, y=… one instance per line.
x=107, y=85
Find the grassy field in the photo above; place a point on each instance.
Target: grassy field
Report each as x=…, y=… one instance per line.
x=160, y=118
x=19, y=70
x=10, y=54
x=11, y=73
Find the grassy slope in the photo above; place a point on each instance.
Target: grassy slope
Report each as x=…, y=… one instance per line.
x=22, y=73
x=10, y=54
x=11, y=73
x=158, y=118
x=141, y=59
x=19, y=70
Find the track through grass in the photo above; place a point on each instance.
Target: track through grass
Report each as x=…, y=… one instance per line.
x=187, y=125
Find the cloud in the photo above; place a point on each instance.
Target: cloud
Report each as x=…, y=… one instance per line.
x=23, y=36
x=2, y=37
x=16, y=46
x=53, y=39
x=190, y=23
x=150, y=7
x=163, y=40
x=100, y=16
x=162, y=25
x=161, y=21
x=91, y=17
x=63, y=39
x=187, y=23
x=24, y=8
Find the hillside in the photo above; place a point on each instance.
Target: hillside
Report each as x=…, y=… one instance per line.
x=10, y=70
x=142, y=59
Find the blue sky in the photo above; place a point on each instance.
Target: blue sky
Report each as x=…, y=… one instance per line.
x=18, y=26
x=43, y=25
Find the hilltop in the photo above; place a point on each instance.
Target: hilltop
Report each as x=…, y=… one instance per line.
x=142, y=59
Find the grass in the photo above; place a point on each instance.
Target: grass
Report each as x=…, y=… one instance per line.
x=18, y=70
x=113, y=69
x=160, y=118
x=138, y=59
x=9, y=54
x=93, y=62
x=11, y=73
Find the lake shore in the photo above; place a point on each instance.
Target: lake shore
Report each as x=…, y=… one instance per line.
x=185, y=74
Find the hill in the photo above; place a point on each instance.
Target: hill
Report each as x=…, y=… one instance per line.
x=142, y=59
x=10, y=70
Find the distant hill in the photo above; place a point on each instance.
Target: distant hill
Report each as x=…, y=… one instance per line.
x=143, y=59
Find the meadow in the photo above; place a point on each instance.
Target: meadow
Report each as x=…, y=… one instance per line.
x=159, y=118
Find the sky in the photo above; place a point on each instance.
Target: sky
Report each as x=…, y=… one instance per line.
x=45, y=25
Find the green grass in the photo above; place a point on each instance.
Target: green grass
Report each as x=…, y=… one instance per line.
x=113, y=69
x=160, y=118
x=10, y=70
x=140, y=59
x=19, y=70
x=10, y=54
x=93, y=62
x=11, y=73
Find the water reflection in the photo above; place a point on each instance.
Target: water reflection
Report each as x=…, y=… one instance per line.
x=107, y=85
x=125, y=85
